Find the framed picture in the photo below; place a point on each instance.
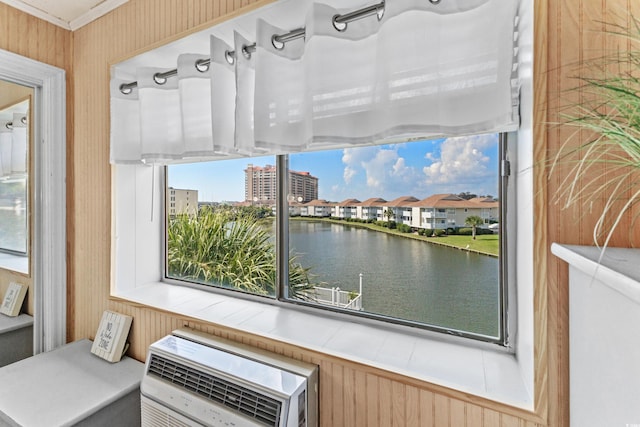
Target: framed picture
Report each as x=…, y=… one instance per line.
x=110, y=342
x=13, y=299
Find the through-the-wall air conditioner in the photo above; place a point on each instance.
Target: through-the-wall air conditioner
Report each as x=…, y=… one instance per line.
x=194, y=379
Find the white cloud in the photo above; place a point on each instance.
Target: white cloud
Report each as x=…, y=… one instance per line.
x=422, y=169
x=384, y=170
x=348, y=174
x=462, y=164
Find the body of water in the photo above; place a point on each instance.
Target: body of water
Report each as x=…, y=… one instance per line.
x=403, y=278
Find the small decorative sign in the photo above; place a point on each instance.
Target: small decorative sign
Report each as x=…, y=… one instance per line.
x=110, y=342
x=13, y=299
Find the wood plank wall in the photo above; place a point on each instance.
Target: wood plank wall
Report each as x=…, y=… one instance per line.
x=34, y=38
x=574, y=35
x=351, y=393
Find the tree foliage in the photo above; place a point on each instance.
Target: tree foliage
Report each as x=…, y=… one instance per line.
x=474, y=221
x=230, y=249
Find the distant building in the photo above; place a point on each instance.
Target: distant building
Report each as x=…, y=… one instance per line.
x=439, y=211
x=303, y=186
x=448, y=210
x=260, y=185
x=180, y=201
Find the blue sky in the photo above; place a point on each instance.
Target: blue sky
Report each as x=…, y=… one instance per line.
x=417, y=169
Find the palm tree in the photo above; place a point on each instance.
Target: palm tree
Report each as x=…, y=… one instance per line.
x=228, y=249
x=388, y=213
x=474, y=221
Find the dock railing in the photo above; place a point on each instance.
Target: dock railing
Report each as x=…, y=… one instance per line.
x=336, y=297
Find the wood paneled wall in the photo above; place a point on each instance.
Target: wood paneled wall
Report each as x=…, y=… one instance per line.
x=34, y=38
x=575, y=34
x=351, y=393
x=31, y=37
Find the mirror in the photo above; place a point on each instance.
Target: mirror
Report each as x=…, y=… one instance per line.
x=16, y=332
x=45, y=209
x=15, y=131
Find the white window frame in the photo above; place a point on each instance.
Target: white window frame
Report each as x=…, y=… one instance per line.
x=473, y=367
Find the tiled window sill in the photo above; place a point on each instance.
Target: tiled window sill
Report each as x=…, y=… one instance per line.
x=487, y=373
x=16, y=263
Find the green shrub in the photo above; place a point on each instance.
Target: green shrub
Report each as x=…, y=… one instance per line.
x=404, y=228
x=465, y=231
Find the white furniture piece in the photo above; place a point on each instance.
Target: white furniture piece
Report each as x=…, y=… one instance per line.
x=16, y=338
x=604, y=340
x=70, y=386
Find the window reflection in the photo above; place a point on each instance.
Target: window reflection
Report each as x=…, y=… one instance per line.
x=15, y=118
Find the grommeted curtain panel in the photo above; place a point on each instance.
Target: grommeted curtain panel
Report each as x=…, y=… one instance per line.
x=13, y=147
x=223, y=96
x=245, y=90
x=281, y=124
x=403, y=70
x=195, y=109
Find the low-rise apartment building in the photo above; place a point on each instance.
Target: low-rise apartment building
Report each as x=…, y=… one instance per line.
x=439, y=211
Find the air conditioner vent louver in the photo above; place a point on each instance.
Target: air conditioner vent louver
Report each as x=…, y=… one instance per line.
x=261, y=408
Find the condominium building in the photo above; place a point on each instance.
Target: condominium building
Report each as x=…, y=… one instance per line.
x=260, y=185
x=181, y=201
x=439, y=211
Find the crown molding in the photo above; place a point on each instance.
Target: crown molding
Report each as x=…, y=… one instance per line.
x=75, y=23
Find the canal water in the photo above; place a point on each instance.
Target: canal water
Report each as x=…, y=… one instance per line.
x=403, y=278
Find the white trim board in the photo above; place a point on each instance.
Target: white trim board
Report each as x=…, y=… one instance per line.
x=72, y=20
x=49, y=268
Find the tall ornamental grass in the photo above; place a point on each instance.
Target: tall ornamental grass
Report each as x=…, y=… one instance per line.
x=605, y=168
x=227, y=249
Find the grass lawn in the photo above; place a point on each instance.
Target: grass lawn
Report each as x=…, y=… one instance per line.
x=486, y=243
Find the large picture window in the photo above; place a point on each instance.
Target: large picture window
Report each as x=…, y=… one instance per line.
x=406, y=233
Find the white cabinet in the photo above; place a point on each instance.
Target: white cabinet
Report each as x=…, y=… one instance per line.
x=70, y=386
x=16, y=338
x=604, y=335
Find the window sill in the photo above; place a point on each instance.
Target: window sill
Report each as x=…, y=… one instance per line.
x=488, y=373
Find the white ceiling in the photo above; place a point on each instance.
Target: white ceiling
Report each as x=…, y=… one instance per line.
x=69, y=14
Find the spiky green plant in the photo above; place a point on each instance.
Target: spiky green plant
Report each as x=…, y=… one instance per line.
x=228, y=249
x=611, y=116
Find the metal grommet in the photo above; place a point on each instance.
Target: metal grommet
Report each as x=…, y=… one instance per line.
x=245, y=51
x=9, y=125
x=435, y=1
x=340, y=26
x=277, y=43
x=202, y=65
x=125, y=89
x=23, y=119
x=230, y=57
x=380, y=11
x=159, y=79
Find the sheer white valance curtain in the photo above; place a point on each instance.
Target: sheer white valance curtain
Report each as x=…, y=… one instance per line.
x=13, y=147
x=405, y=69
